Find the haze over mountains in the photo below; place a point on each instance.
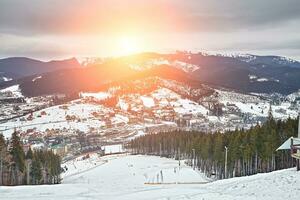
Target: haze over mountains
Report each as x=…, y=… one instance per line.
x=244, y=73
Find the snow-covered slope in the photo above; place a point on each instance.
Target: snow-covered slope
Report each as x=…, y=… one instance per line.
x=123, y=177
x=56, y=118
x=294, y=96
x=4, y=78
x=256, y=105
x=186, y=67
x=13, y=90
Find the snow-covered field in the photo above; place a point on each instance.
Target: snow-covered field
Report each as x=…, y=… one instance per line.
x=55, y=117
x=256, y=106
x=15, y=90
x=124, y=177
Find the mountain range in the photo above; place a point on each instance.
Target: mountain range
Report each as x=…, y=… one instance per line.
x=18, y=67
x=244, y=73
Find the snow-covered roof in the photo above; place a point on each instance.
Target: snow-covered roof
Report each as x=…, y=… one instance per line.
x=287, y=143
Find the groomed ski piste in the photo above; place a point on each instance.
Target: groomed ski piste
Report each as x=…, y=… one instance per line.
x=138, y=177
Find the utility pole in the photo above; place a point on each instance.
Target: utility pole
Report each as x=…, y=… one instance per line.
x=193, y=158
x=27, y=175
x=1, y=169
x=226, y=149
x=179, y=158
x=299, y=125
x=298, y=151
x=160, y=149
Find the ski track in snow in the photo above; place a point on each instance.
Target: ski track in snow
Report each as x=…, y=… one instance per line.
x=123, y=177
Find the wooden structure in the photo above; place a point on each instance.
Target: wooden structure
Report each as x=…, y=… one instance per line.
x=293, y=144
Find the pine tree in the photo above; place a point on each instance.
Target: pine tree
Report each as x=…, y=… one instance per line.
x=3, y=155
x=17, y=152
x=29, y=154
x=36, y=172
x=249, y=151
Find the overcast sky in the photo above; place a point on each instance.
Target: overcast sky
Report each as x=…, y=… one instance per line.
x=51, y=29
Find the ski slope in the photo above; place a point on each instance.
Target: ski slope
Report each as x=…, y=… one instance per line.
x=123, y=177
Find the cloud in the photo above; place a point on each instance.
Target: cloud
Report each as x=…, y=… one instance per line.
x=81, y=17
x=58, y=27
x=77, y=16
x=233, y=15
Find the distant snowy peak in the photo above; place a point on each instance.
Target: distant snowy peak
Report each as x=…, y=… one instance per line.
x=87, y=61
x=148, y=64
x=284, y=60
x=186, y=67
x=249, y=58
x=264, y=61
x=246, y=57
x=242, y=56
x=256, y=59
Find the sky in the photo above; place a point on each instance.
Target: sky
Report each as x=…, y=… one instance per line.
x=56, y=29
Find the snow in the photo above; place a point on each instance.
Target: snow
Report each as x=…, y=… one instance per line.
x=55, y=118
x=294, y=96
x=148, y=101
x=186, y=67
x=180, y=105
x=140, y=133
x=251, y=77
x=185, y=106
x=123, y=177
x=6, y=78
x=284, y=60
x=37, y=146
x=123, y=105
x=256, y=105
x=36, y=78
x=151, y=63
x=164, y=93
x=288, y=142
x=110, y=149
x=262, y=79
x=15, y=90
x=97, y=95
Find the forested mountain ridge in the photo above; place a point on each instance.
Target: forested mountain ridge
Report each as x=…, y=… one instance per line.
x=245, y=73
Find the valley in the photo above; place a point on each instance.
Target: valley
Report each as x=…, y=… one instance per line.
x=149, y=100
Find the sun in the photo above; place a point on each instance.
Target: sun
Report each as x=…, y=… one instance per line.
x=129, y=45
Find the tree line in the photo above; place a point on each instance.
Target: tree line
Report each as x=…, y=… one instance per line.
x=249, y=151
x=18, y=167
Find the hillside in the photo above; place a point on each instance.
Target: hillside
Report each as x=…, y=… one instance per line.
x=98, y=178
x=137, y=105
x=94, y=78
x=243, y=72
x=18, y=67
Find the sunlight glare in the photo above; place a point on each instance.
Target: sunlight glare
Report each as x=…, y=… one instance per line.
x=129, y=45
